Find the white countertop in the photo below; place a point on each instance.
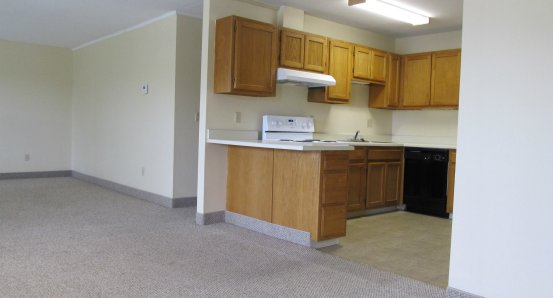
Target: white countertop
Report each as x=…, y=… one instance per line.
x=320, y=146
x=284, y=145
x=249, y=139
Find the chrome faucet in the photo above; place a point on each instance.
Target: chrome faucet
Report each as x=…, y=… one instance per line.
x=356, y=139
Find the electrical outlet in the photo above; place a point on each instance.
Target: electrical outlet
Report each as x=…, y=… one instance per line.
x=143, y=171
x=27, y=157
x=197, y=117
x=237, y=117
x=145, y=89
x=369, y=123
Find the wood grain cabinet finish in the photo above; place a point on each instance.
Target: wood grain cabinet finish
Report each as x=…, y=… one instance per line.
x=245, y=57
x=247, y=164
x=416, y=70
x=301, y=50
x=340, y=67
x=304, y=190
x=376, y=180
x=384, y=177
x=431, y=80
x=451, y=180
x=369, y=64
x=387, y=96
x=446, y=74
x=357, y=179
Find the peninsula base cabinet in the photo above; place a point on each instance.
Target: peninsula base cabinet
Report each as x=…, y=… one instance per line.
x=304, y=190
x=377, y=180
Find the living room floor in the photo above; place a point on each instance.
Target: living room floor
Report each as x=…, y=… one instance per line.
x=409, y=244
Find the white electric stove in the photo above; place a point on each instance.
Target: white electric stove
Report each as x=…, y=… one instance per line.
x=288, y=129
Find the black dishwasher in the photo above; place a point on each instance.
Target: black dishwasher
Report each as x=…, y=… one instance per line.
x=425, y=181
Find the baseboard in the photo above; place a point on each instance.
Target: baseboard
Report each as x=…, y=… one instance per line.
x=29, y=175
x=456, y=293
x=276, y=231
x=354, y=214
x=137, y=193
x=210, y=218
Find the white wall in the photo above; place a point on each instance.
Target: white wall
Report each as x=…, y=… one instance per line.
x=187, y=104
x=35, y=108
x=429, y=42
x=117, y=130
x=218, y=110
x=428, y=126
x=502, y=242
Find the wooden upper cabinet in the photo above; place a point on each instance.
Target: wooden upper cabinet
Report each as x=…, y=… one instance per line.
x=292, y=46
x=245, y=57
x=446, y=70
x=316, y=53
x=362, y=58
x=387, y=96
x=340, y=62
x=416, y=69
x=369, y=64
x=340, y=68
x=301, y=50
x=378, y=66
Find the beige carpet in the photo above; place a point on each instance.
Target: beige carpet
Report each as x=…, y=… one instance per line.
x=63, y=237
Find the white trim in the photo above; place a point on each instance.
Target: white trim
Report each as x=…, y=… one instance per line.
x=138, y=26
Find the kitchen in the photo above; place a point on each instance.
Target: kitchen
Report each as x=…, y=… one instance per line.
x=239, y=117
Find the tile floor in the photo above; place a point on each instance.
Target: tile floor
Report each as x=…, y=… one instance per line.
x=408, y=244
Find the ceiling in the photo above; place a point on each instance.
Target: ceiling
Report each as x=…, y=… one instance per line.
x=445, y=15
x=71, y=23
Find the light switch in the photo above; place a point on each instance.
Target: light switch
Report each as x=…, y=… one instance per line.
x=145, y=89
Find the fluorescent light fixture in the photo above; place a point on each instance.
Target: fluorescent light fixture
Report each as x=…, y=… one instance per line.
x=391, y=9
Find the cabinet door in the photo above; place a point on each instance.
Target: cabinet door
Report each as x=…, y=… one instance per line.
x=255, y=56
x=291, y=49
x=340, y=68
x=393, y=79
x=316, y=53
x=362, y=59
x=378, y=66
x=333, y=222
x=446, y=68
x=357, y=181
x=387, y=96
x=393, y=183
x=416, y=80
x=376, y=177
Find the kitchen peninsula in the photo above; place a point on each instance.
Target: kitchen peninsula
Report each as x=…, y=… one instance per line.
x=301, y=191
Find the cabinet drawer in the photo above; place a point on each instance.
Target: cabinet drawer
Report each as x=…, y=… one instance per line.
x=385, y=154
x=335, y=188
x=337, y=160
x=357, y=155
x=333, y=222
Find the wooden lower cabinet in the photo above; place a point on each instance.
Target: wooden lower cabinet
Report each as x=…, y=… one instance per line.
x=357, y=179
x=304, y=190
x=243, y=196
x=378, y=182
x=451, y=180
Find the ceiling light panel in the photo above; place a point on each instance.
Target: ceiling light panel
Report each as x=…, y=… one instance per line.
x=391, y=9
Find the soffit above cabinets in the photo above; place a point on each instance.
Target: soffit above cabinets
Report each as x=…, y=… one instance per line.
x=445, y=15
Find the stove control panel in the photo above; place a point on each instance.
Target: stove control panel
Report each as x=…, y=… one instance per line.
x=287, y=124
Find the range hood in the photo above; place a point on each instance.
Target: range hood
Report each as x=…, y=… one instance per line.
x=304, y=78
